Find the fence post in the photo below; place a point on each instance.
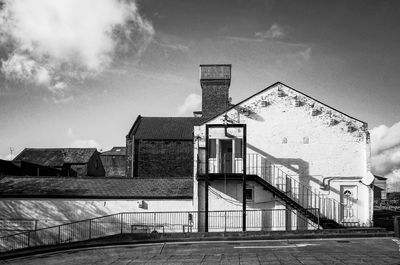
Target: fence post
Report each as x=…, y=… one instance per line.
x=29, y=239
x=90, y=228
x=59, y=234
x=225, y=222
x=319, y=213
x=36, y=221
x=122, y=223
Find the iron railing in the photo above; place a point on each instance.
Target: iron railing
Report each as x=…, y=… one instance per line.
x=160, y=222
x=273, y=174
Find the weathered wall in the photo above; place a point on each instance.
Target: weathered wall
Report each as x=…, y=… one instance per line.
x=95, y=167
x=163, y=159
x=50, y=212
x=305, y=138
x=114, y=165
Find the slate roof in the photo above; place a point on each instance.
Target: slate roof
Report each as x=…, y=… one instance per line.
x=380, y=178
x=164, y=128
x=95, y=188
x=55, y=157
x=115, y=151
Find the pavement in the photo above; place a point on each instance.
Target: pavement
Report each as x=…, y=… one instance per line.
x=295, y=251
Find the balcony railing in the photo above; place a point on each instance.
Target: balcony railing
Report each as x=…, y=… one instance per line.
x=274, y=175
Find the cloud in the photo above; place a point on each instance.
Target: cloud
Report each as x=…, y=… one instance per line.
x=82, y=143
x=192, y=102
x=385, y=151
x=55, y=43
x=275, y=32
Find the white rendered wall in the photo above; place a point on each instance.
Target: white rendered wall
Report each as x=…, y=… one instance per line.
x=50, y=212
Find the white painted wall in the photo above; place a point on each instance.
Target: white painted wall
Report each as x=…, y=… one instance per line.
x=51, y=212
x=338, y=146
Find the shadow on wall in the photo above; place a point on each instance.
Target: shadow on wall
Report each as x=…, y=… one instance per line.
x=45, y=213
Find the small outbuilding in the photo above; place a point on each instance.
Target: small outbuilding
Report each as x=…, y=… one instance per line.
x=71, y=161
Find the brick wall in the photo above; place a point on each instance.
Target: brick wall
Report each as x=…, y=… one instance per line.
x=214, y=99
x=164, y=159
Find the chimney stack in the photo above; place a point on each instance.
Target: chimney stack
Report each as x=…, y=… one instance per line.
x=215, y=80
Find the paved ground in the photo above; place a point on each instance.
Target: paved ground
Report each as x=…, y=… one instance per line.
x=332, y=251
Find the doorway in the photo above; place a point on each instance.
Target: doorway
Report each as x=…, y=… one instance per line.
x=226, y=156
x=348, y=198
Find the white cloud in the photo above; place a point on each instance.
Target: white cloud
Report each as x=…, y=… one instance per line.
x=82, y=143
x=275, y=32
x=385, y=151
x=52, y=43
x=192, y=103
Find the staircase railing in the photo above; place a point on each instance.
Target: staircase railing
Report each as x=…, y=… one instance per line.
x=297, y=191
x=302, y=194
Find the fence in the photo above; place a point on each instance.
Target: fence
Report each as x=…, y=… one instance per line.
x=160, y=222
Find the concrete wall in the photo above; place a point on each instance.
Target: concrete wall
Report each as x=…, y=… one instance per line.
x=49, y=212
x=306, y=140
x=163, y=159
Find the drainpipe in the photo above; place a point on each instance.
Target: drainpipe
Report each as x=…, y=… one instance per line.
x=326, y=185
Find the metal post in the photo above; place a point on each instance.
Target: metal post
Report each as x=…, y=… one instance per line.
x=225, y=222
x=90, y=228
x=29, y=239
x=206, y=183
x=244, y=176
x=121, y=223
x=59, y=234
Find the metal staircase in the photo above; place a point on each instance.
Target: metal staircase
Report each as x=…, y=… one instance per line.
x=291, y=192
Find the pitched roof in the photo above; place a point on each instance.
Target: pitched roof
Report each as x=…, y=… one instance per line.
x=164, y=128
x=270, y=87
x=379, y=177
x=55, y=157
x=115, y=151
x=117, y=188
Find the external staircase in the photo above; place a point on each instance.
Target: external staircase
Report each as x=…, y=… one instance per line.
x=319, y=209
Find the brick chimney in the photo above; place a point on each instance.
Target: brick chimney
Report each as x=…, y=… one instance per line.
x=215, y=80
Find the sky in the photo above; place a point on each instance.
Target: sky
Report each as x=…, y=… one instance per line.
x=76, y=73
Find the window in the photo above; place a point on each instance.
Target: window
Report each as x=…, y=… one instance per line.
x=249, y=192
x=238, y=148
x=212, y=148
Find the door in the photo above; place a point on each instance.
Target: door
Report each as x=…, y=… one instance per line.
x=226, y=156
x=348, y=197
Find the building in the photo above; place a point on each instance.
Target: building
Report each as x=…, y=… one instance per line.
x=161, y=147
x=71, y=161
x=277, y=160
x=114, y=161
x=22, y=168
x=380, y=189
x=299, y=153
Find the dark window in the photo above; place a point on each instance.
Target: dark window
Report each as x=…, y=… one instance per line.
x=249, y=194
x=212, y=148
x=238, y=148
